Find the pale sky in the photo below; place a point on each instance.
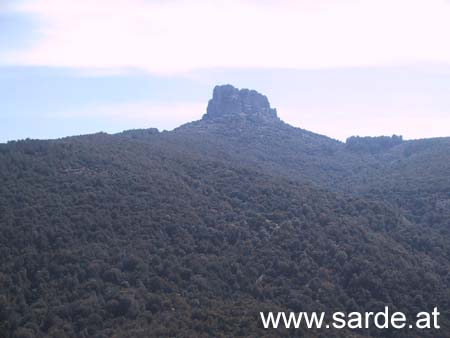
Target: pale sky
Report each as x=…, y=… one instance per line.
x=336, y=67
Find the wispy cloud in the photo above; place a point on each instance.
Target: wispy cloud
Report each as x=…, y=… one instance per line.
x=344, y=123
x=178, y=36
x=6, y=6
x=165, y=116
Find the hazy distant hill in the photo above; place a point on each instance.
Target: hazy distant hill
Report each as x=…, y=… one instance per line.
x=191, y=233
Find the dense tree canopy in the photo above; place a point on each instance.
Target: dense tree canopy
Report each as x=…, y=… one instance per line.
x=192, y=233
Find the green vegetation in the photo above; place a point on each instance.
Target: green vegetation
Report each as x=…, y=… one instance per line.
x=191, y=233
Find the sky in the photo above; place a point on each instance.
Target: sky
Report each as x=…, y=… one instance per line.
x=335, y=67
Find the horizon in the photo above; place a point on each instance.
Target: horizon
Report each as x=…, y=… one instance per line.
x=201, y=118
x=72, y=68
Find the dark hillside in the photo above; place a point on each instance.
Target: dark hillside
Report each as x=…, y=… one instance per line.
x=191, y=233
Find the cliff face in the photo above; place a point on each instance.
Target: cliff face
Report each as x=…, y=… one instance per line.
x=229, y=102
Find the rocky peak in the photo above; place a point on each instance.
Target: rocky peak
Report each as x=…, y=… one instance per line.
x=229, y=102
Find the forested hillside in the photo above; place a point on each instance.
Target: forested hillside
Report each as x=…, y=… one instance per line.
x=193, y=232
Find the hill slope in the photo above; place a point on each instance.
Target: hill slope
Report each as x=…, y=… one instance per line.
x=191, y=233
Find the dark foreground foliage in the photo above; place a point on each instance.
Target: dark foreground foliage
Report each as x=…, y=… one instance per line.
x=192, y=233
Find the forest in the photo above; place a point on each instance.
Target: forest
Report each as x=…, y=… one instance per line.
x=193, y=232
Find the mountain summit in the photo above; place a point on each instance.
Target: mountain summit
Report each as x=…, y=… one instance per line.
x=229, y=102
x=219, y=220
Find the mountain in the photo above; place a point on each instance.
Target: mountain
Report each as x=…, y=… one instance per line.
x=193, y=232
x=229, y=103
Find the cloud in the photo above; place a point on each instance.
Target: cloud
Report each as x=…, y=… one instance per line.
x=6, y=6
x=178, y=36
x=394, y=120
x=165, y=116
